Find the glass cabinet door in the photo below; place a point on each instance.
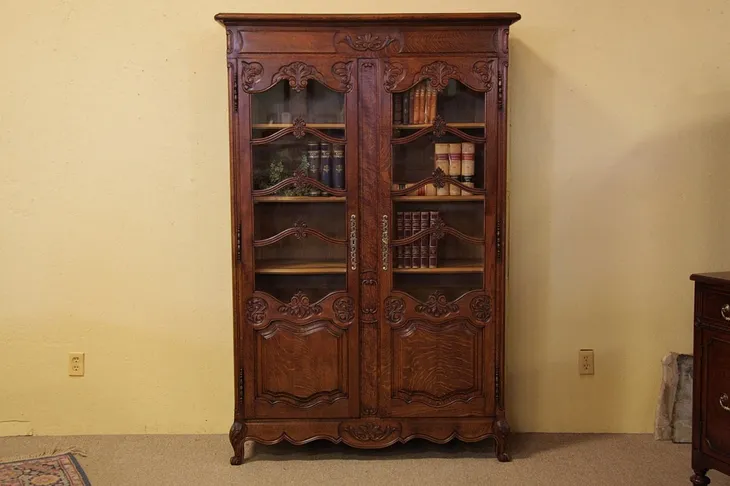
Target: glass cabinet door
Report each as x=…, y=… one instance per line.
x=303, y=180
x=438, y=300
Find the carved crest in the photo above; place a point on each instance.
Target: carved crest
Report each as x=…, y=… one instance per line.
x=300, y=307
x=344, y=308
x=298, y=73
x=301, y=229
x=300, y=178
x=439, y=177
x=481, y=307
x=439, y=73
x=368, y=42
x=256, y=310
x=299, y=125
x=370, y=431
x=394, y=74
x=343, y=72
x=250, y=74
x=484, y=70
x=440, y=226
x=394, y=308
x=439, y=126
x=437, y=306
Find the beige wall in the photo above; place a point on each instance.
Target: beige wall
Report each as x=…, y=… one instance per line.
x=114, y=207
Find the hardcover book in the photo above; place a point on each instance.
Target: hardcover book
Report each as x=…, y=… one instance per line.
x=314, y=168
x=416, y=245
x=454, y=167
x=325, y=164
x=412, y=104
x=441, y=152
x=406, y=101
x=467, y=166
x=338, y=166
x=425, y=241
x=407, y=231
x=397, y=108
x=433, y=242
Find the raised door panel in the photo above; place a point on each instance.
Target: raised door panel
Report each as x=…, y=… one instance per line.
x=716, y=395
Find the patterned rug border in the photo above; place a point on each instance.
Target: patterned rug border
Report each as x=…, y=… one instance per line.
x=71, y=456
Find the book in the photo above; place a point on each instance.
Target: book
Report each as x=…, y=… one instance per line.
x=416, y=245
x=467, y=166
x=325, y=164
x=433, y=241
x=338, y=166
x=454, y=167
x=397, y=108
x=427, y=109
x=313, y=161
x=406, y=102
x=426, y=240
x=418, y=110
x=441, y=156
x=434, y=106
x=399, y=235
x=412, y=104
x=407, y=227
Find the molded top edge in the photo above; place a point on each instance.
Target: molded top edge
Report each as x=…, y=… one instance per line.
x=722, y=278
x=428, y=18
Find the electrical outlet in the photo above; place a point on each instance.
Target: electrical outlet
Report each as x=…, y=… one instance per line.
x=75, y=364
x=585, y=362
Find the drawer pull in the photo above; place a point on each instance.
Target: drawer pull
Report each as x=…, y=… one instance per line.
x=725, y=402
x=725, y=311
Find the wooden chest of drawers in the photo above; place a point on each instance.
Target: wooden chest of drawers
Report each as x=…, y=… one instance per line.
x=711, y=396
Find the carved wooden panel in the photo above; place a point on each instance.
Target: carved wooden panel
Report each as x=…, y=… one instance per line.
x=450, y=42
x=261, y=74
x=437, y=363
x=302, y=366
x=478, y=73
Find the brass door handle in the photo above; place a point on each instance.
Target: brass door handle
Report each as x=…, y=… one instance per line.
x=384, y=242
x=353, y=242
x=725, y=402
x=725, y=312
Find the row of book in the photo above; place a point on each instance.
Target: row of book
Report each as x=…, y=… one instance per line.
x=456, y=160
x=326, y=164
x=416, y=106
x=422, y=253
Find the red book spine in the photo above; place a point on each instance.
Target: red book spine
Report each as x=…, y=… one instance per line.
x=406, y=233
x=416, y=245
x=399, y=235
x=433, y=242
x=425, y=241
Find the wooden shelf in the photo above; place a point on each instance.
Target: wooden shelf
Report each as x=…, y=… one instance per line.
x=286, y=267
x=454, y=125
x=299, y=199
x=279, y=126
x=437, y=198
x=455, y=266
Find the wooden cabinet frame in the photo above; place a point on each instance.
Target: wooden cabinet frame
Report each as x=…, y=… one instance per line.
x=370, y=335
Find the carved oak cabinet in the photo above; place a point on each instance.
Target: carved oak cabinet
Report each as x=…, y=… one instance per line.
x=368, y=172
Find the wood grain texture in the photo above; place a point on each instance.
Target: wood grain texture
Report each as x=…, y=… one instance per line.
x=366, y=364
x=711, y=392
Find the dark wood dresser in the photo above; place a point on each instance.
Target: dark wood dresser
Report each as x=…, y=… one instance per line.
x=711, y=400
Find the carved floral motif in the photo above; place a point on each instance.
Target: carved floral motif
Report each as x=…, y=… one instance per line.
x=370, y=431
x=368, y=42
x=481, y=307
x=368, y=277
x=300, y=307
x=394, y=308
x=301, y=229
x=256, y=310
x=298, y=126
x=437, y=305
x=298, y=73
x=484, y=70
x=439, y=177
x=250, y=74
x=394, y=74
x=343, y=72
x=344, y=308
x=439, y=73
x=439, y=126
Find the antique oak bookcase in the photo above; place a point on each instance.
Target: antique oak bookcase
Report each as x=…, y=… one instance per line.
x=368, y=172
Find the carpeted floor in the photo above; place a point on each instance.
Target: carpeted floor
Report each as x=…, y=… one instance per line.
x=539, y=459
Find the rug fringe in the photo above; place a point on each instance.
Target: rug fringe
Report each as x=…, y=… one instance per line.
x=56, y=451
